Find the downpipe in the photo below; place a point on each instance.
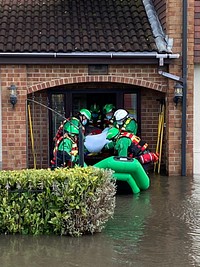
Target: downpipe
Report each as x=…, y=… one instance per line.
x=184, y=103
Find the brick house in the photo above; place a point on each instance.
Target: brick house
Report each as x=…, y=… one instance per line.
x=65, y=55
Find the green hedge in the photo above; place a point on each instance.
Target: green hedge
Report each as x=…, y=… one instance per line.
x=72, y=201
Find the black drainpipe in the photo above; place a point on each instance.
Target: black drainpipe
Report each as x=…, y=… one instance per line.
x=184, y=105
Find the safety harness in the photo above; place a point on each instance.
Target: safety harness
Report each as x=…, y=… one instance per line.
x=125, y=124
x=127, y=121
x=60, y=131
x=137, y=147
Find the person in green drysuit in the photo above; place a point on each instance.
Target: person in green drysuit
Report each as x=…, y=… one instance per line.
x=82, y=117
x=129, y=145
x=95, y=116
x=124, y=122
x=95, y=123
x=66, y=149
x=120, y=145
x=108, y=112
x=126, y=144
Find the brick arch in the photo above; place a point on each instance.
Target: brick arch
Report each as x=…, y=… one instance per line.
x=97, y=78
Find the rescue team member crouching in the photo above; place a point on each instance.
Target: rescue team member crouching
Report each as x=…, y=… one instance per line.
x=124, y=122
x=129, y=145
x=82, y=118
x=66, y=149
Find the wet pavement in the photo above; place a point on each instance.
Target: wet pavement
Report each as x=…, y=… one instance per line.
x=156, y=228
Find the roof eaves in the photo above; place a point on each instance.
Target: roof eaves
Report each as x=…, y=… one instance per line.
x=87, y=58
x=160, y=37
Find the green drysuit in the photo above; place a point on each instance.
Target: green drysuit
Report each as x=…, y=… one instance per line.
x=129, y=125
x=66, y=145
x=121, y=146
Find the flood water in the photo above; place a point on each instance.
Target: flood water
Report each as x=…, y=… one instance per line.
x=157, y=228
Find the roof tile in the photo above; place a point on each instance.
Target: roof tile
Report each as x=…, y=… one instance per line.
x=75, y=26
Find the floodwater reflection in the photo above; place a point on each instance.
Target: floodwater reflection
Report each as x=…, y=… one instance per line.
x=159, y=227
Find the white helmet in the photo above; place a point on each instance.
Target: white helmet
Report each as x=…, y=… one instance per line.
x=120, y=114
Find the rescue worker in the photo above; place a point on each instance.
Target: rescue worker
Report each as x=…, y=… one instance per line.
x=66, y=149
x=124, y=122
x=108, y=111
x=82, y=117
x=96, y=119
x=129, y=145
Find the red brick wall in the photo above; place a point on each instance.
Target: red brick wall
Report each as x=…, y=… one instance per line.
x=35, y=78
x=38, y=124
x=13, y=119
x=174, y=118
x=150, y=110
x=197, y=31
x=38, y=78
x=41, y=77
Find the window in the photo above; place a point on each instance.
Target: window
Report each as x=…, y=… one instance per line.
x=130, y=104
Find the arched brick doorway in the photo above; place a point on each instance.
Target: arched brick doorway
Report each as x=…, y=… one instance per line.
x=66, y=90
